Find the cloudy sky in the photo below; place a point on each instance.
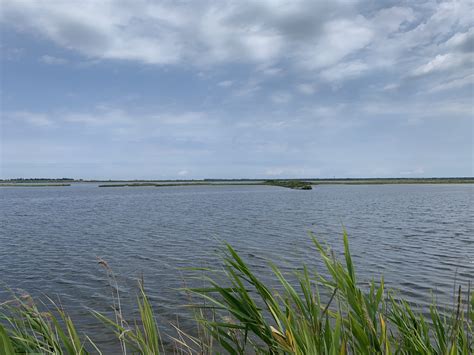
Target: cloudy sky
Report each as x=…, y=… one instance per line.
x=194, y=89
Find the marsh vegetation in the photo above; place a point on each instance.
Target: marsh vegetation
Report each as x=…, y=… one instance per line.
x=291, y=184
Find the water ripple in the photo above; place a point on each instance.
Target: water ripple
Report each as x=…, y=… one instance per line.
x=419, y=236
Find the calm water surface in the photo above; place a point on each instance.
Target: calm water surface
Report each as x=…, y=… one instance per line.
x=420, y=237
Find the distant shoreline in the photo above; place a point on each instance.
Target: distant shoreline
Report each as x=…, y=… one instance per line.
x=232, y=182
x=32, y=185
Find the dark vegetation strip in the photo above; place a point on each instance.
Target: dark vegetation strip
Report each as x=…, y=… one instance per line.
x=291, y=184
x=392, y=181
x=32, y=185
x=180, y=184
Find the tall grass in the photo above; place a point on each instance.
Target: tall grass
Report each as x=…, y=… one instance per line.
x=26, y=329
x=353, y=320
x=237, y=313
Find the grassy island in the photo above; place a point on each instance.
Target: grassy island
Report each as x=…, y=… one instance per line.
x=291, y=184
x=137, y=184
x=140, y=184
x=236, y=313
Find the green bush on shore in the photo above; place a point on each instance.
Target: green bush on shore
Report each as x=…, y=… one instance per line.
x=246, y=316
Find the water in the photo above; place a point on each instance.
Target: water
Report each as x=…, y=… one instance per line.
x=420, y=237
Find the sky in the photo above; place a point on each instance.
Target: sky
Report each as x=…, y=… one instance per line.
x=136, y=89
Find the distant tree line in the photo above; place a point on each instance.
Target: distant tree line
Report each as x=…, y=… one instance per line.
x=37, y=179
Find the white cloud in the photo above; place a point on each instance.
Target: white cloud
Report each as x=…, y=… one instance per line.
x=104, y=116
x=200, y=32
x=332, y=41
x=292, y=171
x=225, y=83
x=340, y=37
x=183, y=172
x=274, y=172
x=181, y=118
x=35, y=119
x=306, y=89
x=440, y=62
x=453, y=84
x=391, y=86
x=269, y=71
x=48, y=59
x=344, y=71
x=100, y=117
x=392, y=19
x=417, y=111
x=419, y=171
x=281, y=97
x=247, y=89
x=338, y=40
x=463, y=41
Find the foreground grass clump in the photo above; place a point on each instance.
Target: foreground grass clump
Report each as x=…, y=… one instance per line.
x=239, y=314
